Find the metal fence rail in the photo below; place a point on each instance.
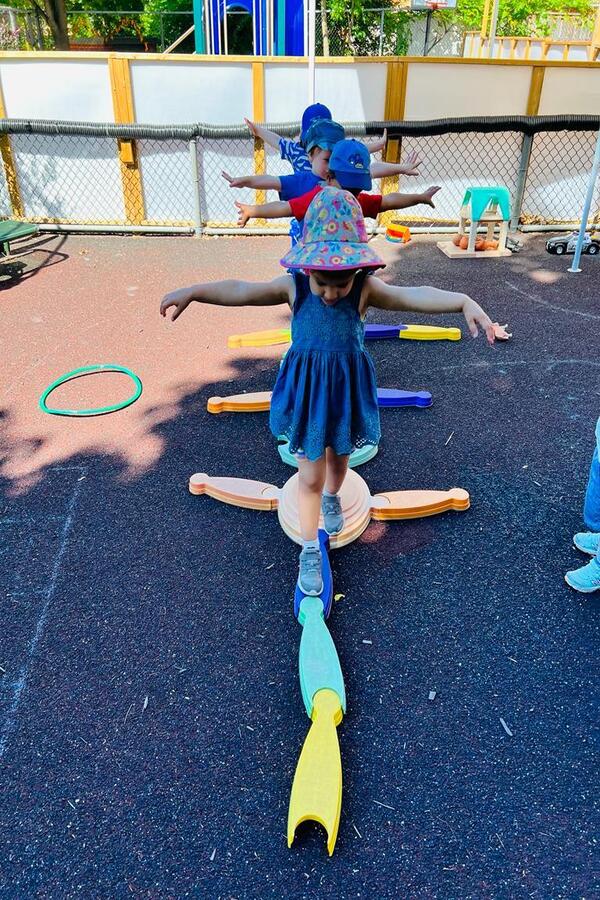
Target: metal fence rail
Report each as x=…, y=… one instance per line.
x=156, y=178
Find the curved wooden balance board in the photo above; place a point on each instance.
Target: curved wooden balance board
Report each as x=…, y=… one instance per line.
x=357, y=503
x=317, y=787
x=260, y=401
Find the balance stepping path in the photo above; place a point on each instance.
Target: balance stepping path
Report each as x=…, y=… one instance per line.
x=260, y=401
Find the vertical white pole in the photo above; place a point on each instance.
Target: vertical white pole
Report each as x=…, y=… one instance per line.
x=574, y=267
x=312, y=18
x=305, y=25
x=493, y=26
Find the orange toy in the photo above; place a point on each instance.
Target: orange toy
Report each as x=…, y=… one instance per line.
x=259, y=401
x=398, y=233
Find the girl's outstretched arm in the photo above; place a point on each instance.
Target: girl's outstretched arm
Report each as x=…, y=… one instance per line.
x=230, y=293
x=425, y=299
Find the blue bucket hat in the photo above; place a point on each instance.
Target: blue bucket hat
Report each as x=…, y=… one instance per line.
x=350, y=163
x=334, y=236
x=323, y=133
x=312, y=112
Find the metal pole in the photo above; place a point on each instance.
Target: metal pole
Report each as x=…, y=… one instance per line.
x=312, y=18
x=162, y=33
x=305, y=25
x=225, y=35
x=493, y=26
x=381, y=27
x=574, y=268
x=521, y=179
x=196, y=187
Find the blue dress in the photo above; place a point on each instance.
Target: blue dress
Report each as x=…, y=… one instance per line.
x=326, y=391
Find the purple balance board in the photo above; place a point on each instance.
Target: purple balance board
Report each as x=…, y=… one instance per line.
x=327, y=595
x=380, y=332
x=393, y=397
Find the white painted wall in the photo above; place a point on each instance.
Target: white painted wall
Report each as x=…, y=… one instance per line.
x=575, y=91
x=56, y=89
x=438, y=90
x=171, y=92
x=353, y=93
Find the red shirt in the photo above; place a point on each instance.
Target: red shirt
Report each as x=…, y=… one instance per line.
x=370, y=203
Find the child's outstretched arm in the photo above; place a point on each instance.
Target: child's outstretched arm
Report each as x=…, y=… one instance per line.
x=278, y=209
x=427, y=300
x=401, y=201
x=376, y=146
x=410, y=166
x=259, y=131
x=260, y=182
x=230, y=293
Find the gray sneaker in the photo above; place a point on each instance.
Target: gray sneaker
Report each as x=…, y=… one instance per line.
x=333, y=518
x=310, y=580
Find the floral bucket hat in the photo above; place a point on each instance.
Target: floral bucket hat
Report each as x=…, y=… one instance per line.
x=334, y=236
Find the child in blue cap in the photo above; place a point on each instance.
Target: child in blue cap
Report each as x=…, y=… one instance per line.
x=349, y=168
x=586, y=579
x=325, y=396
x=322, y=136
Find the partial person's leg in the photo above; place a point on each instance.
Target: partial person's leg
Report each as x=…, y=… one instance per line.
x=311, y=478
x=337, y=466
x=586, y=579
x=591, y=506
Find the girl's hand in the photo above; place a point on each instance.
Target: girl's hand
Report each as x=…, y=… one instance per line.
x=475, y=316
x=251, y=126
x=376, y=146
x=411, y=164
x=429, y=194
x=180, y=299
x=235, y=182
x=245, y=212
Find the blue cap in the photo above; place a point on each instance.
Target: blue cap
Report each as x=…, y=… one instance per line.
x=323, y=133
x=350, y=164
x=312, y=112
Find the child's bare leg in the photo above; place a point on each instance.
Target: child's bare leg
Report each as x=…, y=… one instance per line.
x=310, y=488
x=337, y=466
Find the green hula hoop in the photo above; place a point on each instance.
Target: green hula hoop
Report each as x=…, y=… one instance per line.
x=99, y=410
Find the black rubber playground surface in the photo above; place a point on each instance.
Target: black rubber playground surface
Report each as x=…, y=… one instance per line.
x=150, y=713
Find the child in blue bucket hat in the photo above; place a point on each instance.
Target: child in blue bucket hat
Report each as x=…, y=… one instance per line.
x=325, y=396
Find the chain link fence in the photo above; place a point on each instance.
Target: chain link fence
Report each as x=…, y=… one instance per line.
x=121, y=177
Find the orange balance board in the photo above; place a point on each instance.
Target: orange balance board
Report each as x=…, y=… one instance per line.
x=357, y=503
x=260, y=401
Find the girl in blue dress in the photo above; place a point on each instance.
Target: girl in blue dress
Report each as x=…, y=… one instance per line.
x=325, y=397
